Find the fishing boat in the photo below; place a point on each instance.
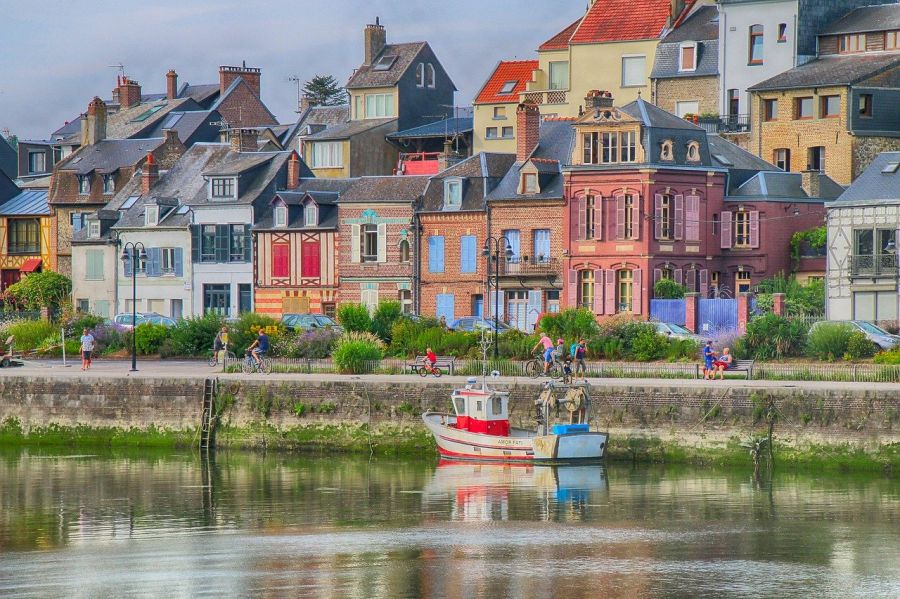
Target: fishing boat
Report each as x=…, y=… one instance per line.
x=480, y=429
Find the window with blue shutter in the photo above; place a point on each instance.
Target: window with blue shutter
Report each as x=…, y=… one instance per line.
x=126, y=263
x=445, y=306
x=436, y=253
x=153, y=268
x=222, y=243
x=179, y=262
x=467, y=253
x=513, y=239
x=542, y=246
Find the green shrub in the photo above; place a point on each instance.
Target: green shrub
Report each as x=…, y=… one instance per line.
x=192, y=336
x=38, y=290
x=892, y=356
x=386, y=315
x=773, y=337
x=859, y=347
x=52, y=346
x=608, y=348
x=798, y=299
x=357, y=353
x=681, y=349
x=244, y=332
x=516, y=345
x=571, y=325
x=29, y=334
x=648, y=345
x=829, y=340
x=667, y=289
x=148, y=337
x=355, y=318
x=314, y=345
x=76, y=323
x=626, y=328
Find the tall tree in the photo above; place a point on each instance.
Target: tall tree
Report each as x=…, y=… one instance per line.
x=323, y=90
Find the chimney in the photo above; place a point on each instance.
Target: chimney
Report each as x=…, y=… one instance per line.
x=251, y=75
x=293, y=171
x=244, y=140
x=129, y=92
x=374, y=41
x=598, y=100
x=528, y=125
x=306, y=102
x=93, y=124
x=448, y=157
x=812, y=182
x=171, y=84
x=149, y=175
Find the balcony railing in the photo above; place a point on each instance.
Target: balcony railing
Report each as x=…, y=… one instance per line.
x=547, y=96
x=525, y=267
x=734, y=123
x=878, y=265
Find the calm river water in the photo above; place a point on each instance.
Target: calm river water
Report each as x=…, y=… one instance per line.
x=175, y=525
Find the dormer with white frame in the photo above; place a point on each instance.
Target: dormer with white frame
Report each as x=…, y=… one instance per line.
x=222, y=188
x=310, y=213
x=453, y=193
x=151, y=215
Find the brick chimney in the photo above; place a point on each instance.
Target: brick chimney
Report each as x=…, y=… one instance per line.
x=528, y=125
x=251, y=75
x=597, y=100
x=129, y=92
x=306, y=102
x=812, y=183
x=293, y=171
x=149, y=174
x=243, y=140
x=171, y=84
x=93, y=124
x=374, y=41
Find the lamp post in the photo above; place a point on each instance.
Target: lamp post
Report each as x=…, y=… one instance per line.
x=507, y=254
x=130, y=252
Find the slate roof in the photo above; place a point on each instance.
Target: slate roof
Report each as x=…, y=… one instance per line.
x=873, y=186
x=560, y=41
x=702, y=24
x=555, y=144
x=442, y=128
x=9, y=159
x=782, y=186
x=506, y=70
x=844, y=69
x=32, y=202
x=348, y=129
x=867, y=18
x=481, y=173
x=736, y=156
x=621, y=20
x=191, y=126
x=367, y=76
x=199, y=93
x=325, y=192
x=396, y=189
x=108, y=155
x=667, y=62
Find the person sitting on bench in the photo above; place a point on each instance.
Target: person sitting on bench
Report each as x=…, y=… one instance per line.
x=725, y=361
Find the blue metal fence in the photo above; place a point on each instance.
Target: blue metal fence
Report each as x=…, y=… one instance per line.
x=668, y=310
x=716, y=316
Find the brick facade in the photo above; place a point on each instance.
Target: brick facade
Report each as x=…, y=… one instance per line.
x=704, y=90
x=465, y=287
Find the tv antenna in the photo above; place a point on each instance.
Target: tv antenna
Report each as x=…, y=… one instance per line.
x=119, y=66
x=298, y=81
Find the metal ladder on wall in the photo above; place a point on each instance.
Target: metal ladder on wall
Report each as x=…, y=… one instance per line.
x=208, y=416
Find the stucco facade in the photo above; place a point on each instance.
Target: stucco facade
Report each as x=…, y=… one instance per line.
x=96, y=292
x=168, y=293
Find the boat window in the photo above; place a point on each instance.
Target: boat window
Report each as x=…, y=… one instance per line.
x=497, y=407
x=460, y=406
x=478, y=407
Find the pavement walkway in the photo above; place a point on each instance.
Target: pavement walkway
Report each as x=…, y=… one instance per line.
x=197, y=369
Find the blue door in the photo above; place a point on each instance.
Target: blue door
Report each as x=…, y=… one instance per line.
x=716, y=316
x=445, y=305
x=668, y=310
x=478, y=305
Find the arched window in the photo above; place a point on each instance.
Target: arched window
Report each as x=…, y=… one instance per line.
x=666, y=152
x=420, y=74
x=429, y=75
x=404, y=250
x=693, y=152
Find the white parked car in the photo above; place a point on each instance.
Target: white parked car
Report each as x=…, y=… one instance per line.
x=875, y=334
x=670, y=329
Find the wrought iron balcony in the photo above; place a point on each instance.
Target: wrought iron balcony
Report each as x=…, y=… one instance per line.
x=523, y=266
x=878, y=265
x=733, y=123
x=547, y=96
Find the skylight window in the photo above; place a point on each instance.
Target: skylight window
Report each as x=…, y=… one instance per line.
x=147, y=114
x=508, y=87
x=890, y=168
x=172, y=120
x=723, y=160
x=129, y=202
x=384, y=63
x=183, y=209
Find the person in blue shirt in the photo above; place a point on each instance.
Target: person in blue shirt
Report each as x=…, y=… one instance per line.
x=259, y=347
x=709, y=356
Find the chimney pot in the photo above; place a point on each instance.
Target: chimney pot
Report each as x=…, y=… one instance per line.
x=251, y=75
x=374, y=41
x=293, y=172
x=243, y=140
x=129, y=92
x=149, y=174
x=93, y=124
x=306, y=102
x=812, y=182
x=528, y=125
x=171, y=84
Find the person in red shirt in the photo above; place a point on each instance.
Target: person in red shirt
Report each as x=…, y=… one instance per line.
x=430, y=359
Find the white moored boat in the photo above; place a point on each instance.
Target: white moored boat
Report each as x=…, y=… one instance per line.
x=480, y=427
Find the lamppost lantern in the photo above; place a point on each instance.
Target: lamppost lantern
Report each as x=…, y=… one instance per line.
x=890, y=247
x=137, y=253
x=509, y=253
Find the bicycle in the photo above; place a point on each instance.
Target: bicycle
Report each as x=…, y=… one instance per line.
x=213, y=359
x=424, y=371
x=250, y=365
x=535, y=368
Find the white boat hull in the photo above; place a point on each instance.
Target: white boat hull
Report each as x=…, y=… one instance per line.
x=520, y=445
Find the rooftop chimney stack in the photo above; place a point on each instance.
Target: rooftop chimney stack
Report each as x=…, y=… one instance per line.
x=374, y=41
x=598, y=100
x=306, y=102
x=528, y=124
x=93, y=124
x=812, y=182
x=149, y=174
x=129, y=93
x=293, y=172
x=244, y=140
x=171, y=84
x=251, y=75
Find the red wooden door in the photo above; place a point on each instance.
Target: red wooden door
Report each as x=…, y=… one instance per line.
x=281, y=260
x=310, y=266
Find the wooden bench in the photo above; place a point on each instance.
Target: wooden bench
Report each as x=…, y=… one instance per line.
x=446, y=362
x=745, y=366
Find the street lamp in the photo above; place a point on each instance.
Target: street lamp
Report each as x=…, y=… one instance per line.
x=508, y=254
x=130, y=252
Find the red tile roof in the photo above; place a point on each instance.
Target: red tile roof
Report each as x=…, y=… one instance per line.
x=508, y=70
x=560, y=41
x=621, y=20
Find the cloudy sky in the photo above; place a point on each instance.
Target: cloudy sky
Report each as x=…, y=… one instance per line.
x=56, y=54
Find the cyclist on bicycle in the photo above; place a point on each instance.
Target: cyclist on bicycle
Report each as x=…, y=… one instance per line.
x=547, y=352
x=259, y=347
x=220, y=345
x=430, y=360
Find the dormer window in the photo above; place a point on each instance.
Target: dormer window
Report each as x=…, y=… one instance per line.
x=530, y=183
x=693, y=152
x=666, y=151
x=851, y=44
x=222, y=188
x=310, y=215
x=609, y=147
x=687, y=56
x=84, y=184
x=420, y=74
x=452, y=194
x=109, y=184
x=94, y=229
x=280, y=216
x=151, y=215
x=429, y=75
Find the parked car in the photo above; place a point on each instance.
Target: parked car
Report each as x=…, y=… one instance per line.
x=881, y=338
x=670, y=329
x=309, y=322
x=124, y=320
x=160, y=319
x=477, y=323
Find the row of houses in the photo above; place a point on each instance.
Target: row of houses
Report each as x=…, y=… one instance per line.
x=620, y=157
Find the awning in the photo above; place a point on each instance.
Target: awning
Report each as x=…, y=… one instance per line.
x=30, y=265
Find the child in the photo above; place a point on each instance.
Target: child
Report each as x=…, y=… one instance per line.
x=709, y=356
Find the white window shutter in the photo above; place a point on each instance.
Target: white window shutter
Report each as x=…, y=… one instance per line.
x=725, y=230
x=382, y=243
x=354, y=243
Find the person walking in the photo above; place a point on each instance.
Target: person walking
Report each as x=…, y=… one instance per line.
x=87, y=348
x=578, y=355
x=709, y=356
